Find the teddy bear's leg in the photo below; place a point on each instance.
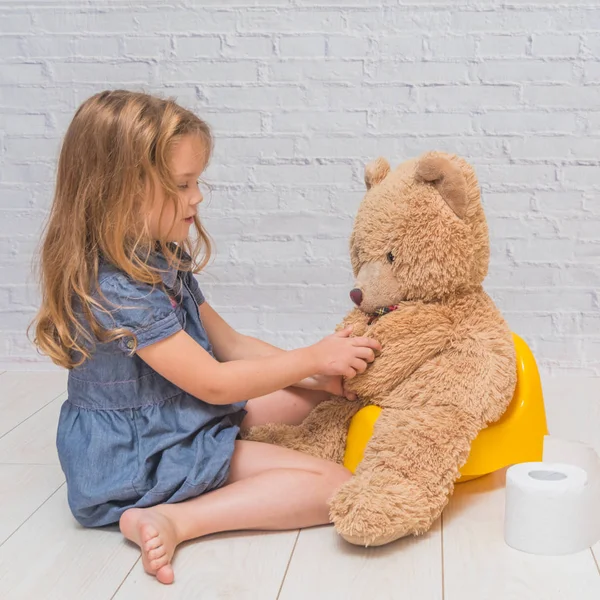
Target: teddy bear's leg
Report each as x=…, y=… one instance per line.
x=323, y=433
x=409, y=469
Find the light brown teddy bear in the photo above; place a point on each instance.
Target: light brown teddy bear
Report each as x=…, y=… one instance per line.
x=420, y=252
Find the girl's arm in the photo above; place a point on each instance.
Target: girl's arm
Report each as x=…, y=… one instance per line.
x=184, y=362
x=229, y=345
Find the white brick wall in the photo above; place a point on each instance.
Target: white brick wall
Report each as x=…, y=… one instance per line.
x=301, y=93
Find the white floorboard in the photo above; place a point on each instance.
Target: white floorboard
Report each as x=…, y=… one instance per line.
x=51, y=557
x=45, y=554
x=478, y=563
x=22, y=394
x=240, y=566
x=325, y=567
x=34, y=441
x=23, y=488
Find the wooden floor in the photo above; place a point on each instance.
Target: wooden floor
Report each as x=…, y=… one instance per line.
x=45, y=555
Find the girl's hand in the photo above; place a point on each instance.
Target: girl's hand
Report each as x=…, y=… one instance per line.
x=333, y=384
x=340, y=355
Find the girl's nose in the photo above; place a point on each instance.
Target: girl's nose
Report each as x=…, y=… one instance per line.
x=356, y=296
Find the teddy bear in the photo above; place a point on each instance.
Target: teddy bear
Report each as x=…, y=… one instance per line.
x=419, y=251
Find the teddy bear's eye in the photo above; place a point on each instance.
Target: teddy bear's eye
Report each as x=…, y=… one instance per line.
x=390, y=257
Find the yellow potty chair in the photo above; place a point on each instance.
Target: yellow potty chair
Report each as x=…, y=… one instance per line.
x=517, y=437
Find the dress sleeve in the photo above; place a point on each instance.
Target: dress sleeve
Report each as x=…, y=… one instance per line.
x=141, y=308
x=192, y=284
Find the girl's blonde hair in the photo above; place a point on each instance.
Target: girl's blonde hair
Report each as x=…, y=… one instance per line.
x=116, y=149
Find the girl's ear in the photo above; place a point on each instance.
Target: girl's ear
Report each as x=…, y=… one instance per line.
x=376, y=171
x=445, y=175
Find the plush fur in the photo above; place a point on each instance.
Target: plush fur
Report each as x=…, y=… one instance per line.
x=448, y=366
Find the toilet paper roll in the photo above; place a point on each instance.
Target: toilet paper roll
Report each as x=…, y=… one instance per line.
x=549, y=509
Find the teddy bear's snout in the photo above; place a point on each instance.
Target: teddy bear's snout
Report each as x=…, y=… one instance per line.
x=356, y=296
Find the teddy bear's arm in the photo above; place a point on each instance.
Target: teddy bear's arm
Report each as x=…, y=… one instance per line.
x=409, y=337
x=323, y=432
x=420, y=441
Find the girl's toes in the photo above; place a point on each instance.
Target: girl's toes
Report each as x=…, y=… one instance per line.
x=156, y=553
x=159, y=563
x=165, y=574
x=153, y=543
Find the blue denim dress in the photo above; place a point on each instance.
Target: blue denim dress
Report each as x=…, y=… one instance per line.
x=127, y=437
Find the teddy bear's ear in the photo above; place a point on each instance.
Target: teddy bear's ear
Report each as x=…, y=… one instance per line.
x=376, y=171
x=447, y=177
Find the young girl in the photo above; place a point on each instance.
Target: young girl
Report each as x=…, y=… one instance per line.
x=159, y=385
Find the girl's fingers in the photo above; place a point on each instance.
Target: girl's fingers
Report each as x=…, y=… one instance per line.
x=360, y=366
x=366, y=343
x=366, y=354
x=349, y=373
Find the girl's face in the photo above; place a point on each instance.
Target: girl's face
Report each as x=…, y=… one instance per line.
x=188, y=160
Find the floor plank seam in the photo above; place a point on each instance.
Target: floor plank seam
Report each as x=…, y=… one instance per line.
x=287, y=567
x=31, y=515
x=595, y=560
x=33, y=414
x=126, y=576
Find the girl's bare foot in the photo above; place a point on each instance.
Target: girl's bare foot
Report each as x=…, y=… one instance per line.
x=154, y=533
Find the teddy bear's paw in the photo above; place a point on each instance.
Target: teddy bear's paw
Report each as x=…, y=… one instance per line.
x=375, y=509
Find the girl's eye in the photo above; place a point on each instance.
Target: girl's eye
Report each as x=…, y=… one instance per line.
x=390, y=257
x=183, y=186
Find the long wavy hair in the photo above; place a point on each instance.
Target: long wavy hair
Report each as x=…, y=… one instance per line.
x=116, y=150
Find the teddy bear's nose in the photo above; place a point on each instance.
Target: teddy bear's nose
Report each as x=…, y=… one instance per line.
x=356, y=296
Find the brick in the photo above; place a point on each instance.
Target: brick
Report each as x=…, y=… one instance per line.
x=401, y=47
x=510, y=71
x=558, y=147
x=523, y=175
x=581, y=176
x=560, y=349
x=503, y=46
x=469, y=97
x=73, y=21
x=500, y=21
x=260, y=97
x=30, y=172
x=394, y=20
x=237, y=122
x=329, y=70
x=530, y=324
x=185, y=21
x=417, y=73
x=435, y=123
x=298, y=223
x=253, y=148
x=294, y=21
x=558, y=201
x=204, y=71
x=345, y=46
x=302, y=45
x=502, y=202
x=584, y=19
x=569, y=96
x=103, y=46
x=365, y=96
x=11, y=47
x=21, y=73
x=130, y=72
x=302, y=121
x=248, y=46
x=591, y=72
x=197, y=47
x=548, y=299
x=303, y=322
x=148, y=46
x=301, y=174
x=543, y=250
x=565, y=46
x=24, y=149
x=13, y=124
x=443, y=48
x=15, y=22
x=504, y=122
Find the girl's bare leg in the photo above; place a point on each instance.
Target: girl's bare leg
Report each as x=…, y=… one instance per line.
x=290, y=405
x=268, y=488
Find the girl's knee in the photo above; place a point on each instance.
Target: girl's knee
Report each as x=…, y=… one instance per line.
x=338, y=475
